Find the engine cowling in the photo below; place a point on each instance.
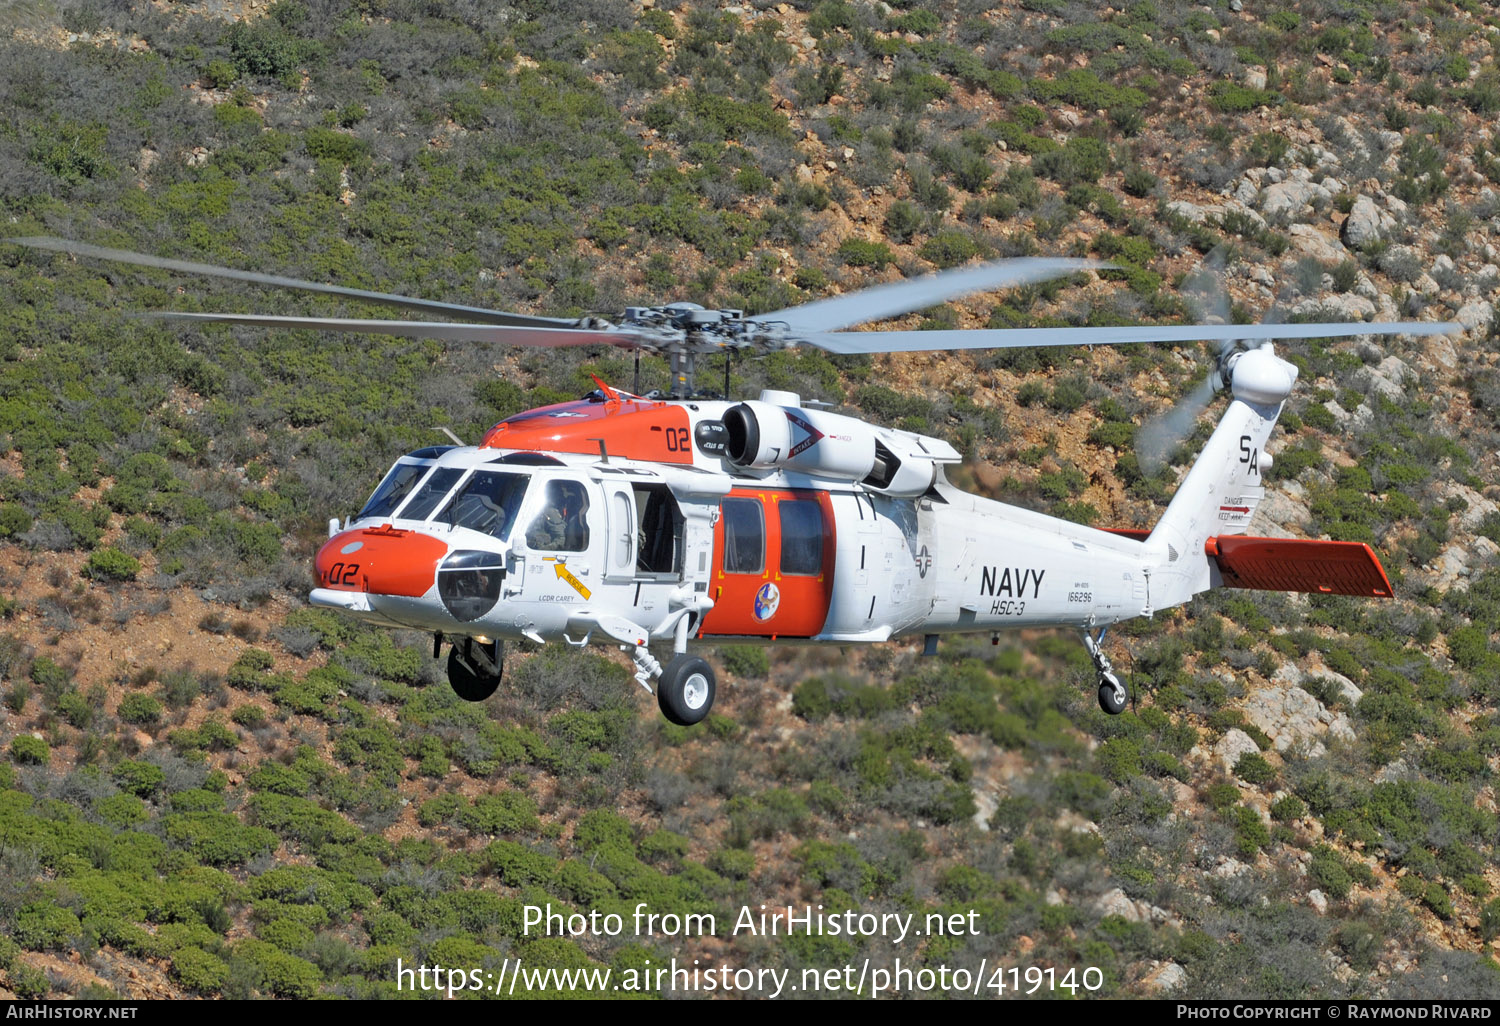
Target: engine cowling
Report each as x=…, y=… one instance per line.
x=901, y=468
x=766, y=436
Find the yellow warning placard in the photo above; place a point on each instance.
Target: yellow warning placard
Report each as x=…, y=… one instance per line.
x=566, y=574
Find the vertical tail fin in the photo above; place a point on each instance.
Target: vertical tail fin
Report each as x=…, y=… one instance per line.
x=1218, y=497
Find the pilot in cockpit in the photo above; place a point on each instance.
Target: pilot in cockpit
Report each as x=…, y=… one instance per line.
x=561, y=525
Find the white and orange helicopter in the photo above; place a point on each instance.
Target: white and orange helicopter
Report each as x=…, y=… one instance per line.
x=669, y=522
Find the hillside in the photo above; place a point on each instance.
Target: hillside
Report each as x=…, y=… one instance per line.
x=209, y=788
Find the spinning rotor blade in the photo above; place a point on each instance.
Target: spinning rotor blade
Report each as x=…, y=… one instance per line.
x=209, y=270
x=882, y=301
x=509, y=334
x=1157, y=437
x=1208, y=300
x=1010, y=338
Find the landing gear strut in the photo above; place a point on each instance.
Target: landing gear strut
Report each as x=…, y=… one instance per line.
x=474, y=668
x=1112, y=693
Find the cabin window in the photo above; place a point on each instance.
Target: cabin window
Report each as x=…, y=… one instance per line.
x=744, y=536
x=801, y=537
x=659, y=530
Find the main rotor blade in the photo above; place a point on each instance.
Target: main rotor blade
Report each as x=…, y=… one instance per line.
x=509, y=334
x=125, y=256
x=1157, y=437
x=882, y=301
x=1011, y=338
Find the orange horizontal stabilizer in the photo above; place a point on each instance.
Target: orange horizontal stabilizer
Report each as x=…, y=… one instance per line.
x=1290, y=564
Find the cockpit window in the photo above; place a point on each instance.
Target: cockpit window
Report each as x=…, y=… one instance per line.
x=432, y=492
x=562, y=525
x=393, y=491
x=489, y=503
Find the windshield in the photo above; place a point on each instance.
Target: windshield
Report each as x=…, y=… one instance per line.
x=403, y=477
x=432, y=492
x=488, y=502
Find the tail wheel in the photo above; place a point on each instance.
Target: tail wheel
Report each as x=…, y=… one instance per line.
x=685, y=691
x=474, y=669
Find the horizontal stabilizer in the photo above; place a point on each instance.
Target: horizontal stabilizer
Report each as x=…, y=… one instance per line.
x=1290, y=564
x=1134, y=533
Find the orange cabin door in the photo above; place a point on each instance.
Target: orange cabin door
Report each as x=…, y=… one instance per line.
x=773, y=564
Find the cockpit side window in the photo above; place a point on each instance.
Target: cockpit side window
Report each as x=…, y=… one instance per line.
x=398, y=484
x=433, y=491
x=562, y=525
x=488, y=502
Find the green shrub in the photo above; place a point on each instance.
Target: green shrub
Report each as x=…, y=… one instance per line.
x=1139, y=182
x=734, y=863
x=250, y=717
x=139, y=778
x=45, y=925
x=860, y=253
x=750, y=661
x=29, y=982
x=1081, y=159
x=50, y=677
x=1253, y=768
x=14, y=520
x=31, y=750
x=110, y=564
x=121, y=810
x=220, y=73
x=949, y=248
x=301, y=819
x=1288, y=809
x=902, y=220
x=1489, y=920
x=516, y=865
x=274, y=971
x=1233, y=98
x=810, y=699
x=507, y=813
x=198, y=971
x=1119, y=759
x=74, y=708
x=217, y=838
x=1328, y=871
x=1250, y=833
x=142, y=710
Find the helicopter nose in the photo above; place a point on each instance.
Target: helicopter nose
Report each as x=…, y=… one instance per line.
x=380, y=560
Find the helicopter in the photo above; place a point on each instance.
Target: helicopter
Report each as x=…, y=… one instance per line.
x=660, y=523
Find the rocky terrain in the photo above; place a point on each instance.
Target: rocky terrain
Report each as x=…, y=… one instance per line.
x=211, y=789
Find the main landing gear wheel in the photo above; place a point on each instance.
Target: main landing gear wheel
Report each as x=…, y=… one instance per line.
x=1112, y=694
x=474, y=669
x=685, y=691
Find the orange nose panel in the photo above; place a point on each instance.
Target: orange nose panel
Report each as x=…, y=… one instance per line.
x=381, y=560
